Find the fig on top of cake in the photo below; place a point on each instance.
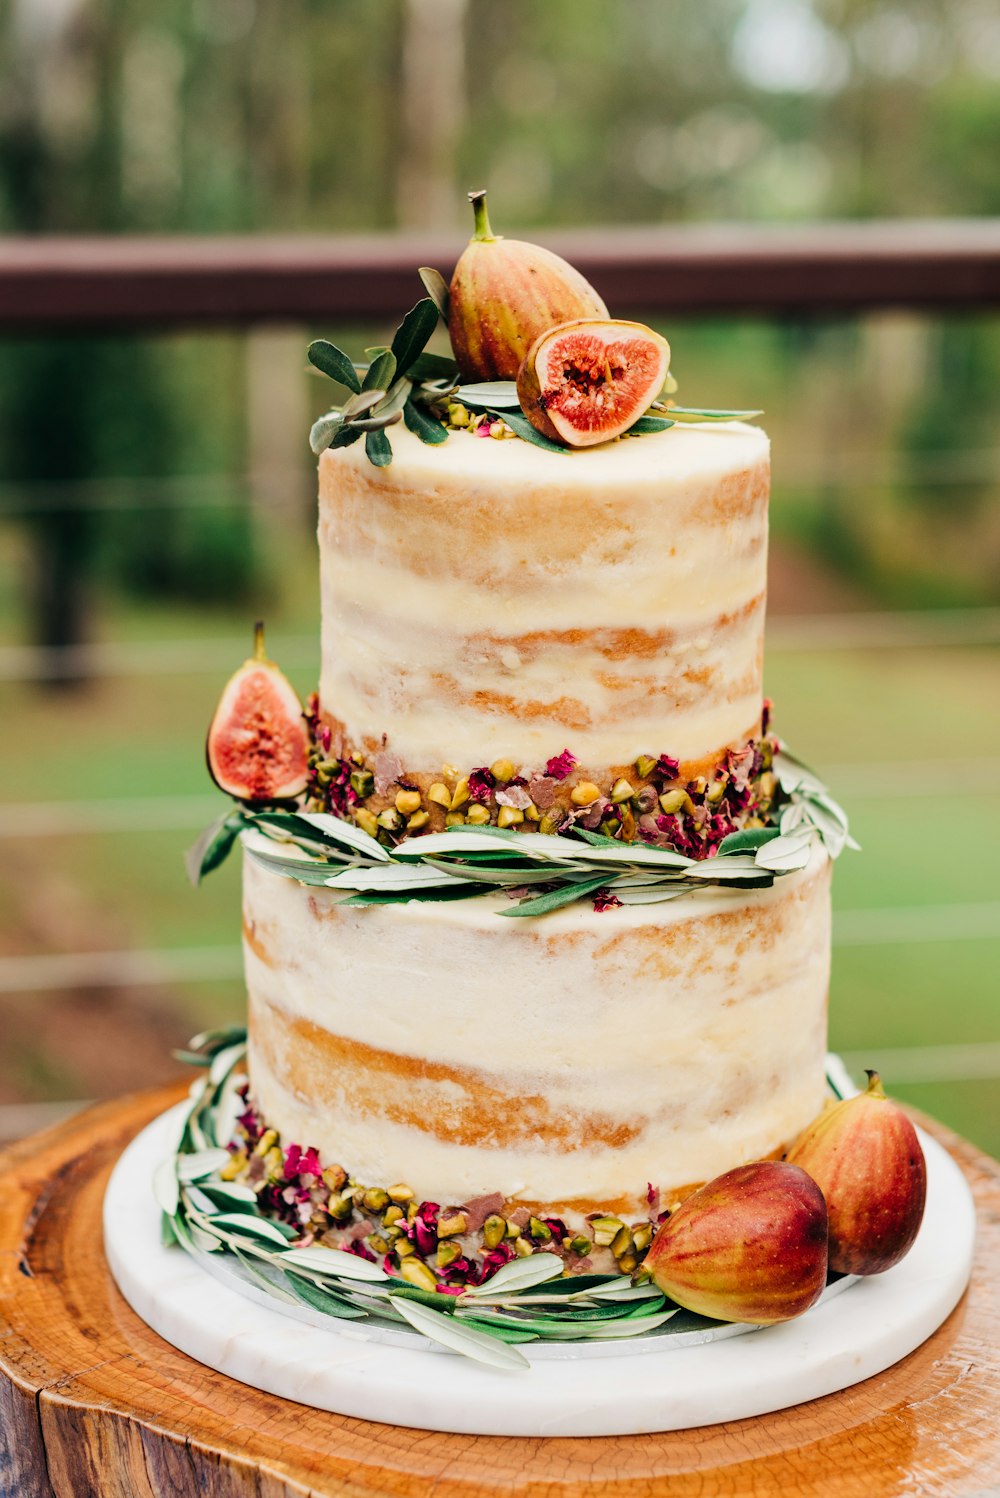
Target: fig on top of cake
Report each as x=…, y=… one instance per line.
x=535, y=355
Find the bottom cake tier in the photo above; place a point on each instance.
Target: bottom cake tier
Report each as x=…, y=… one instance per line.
x=579, y=1063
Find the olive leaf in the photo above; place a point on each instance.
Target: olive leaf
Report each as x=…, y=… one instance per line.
x=436, y=288
x=433, y=367
x=566, y=894
x=413, y=332
x=475, y=1344
x=323, y=431
x=214, y=846
x=378, y=449
x=500, y=394
x=647, y=424
x=522, y=426
x=361, y=404
x=332, y=361
x=346, y=436
x=696, y=414
x=381, y=371
x=423, y=425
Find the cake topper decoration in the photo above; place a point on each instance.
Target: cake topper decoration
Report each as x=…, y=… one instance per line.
x=525, y=328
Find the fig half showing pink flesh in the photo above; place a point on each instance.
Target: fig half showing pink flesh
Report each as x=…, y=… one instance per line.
x=258, y=748
x=586, y=382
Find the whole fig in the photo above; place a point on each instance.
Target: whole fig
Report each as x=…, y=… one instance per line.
x=749, y=1246
x=258, y=747
x=503, y=293
x=865, y=1156
x=587, y=381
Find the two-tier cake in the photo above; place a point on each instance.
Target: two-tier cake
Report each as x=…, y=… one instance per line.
x=513, y=636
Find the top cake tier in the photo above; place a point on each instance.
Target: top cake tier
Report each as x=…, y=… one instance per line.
x=488, y=598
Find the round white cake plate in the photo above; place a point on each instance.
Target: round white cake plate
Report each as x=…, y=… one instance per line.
x=342, y=1368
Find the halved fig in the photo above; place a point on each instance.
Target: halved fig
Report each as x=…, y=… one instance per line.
x=587, y=381
x=258, y=747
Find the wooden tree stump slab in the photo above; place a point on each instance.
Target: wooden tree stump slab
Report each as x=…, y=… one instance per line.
x=93, y=1404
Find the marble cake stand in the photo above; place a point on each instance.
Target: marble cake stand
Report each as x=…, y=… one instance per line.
x=628, y=1389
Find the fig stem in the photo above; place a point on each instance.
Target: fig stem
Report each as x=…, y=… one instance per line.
x=483, y=231
x=874, y=1088
x=259, y=653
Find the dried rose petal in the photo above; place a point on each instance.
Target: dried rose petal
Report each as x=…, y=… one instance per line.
x=559, y=766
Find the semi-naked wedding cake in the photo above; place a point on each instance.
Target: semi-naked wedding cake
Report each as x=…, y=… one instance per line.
x=544, y=642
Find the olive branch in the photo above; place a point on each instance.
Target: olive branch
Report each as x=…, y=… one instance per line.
x=540, y=871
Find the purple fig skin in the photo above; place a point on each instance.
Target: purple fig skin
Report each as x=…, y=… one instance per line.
x=503, y=294
x=749, y=1246
x=865, y=1156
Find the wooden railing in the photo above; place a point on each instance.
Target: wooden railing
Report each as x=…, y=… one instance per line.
x=67, y=283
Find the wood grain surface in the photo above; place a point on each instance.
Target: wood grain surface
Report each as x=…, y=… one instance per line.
x=93, y=1404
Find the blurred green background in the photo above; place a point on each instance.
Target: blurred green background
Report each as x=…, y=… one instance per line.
x=156, y=493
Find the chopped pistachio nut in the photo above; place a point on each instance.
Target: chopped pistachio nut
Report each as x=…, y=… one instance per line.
x=404, y=1248
x=340, y=1208
x=460, y=794
x=645, y=765
x=366, y=820
x=390, y=819
x=611, y=826
x=621, y=1242
x=394, y=1232
x=767, y=785
x=362, y=783
x=412, y=1210
x=418, y=820
x=642, y=1235
x=539, y=1230
x=551, y=822
x=523, y=1248
x=265, y=1142
x=627, y=1263
x=580, y=1244
x=378, y=1244
x=234, y=1166
x=375, y=1199
x=606, y=1229
x=478, y=815
x=503, y=769
x=622, y=790
x=447, y=1253
x=673, y=801
x=440, y=794
x=391, y=1214
x=716, y=791
x=532, y=813
x=418, y=1274
x=509, y=816
x=513, y=1231
x=494, y=1231
x=585, y=793
x=457, y=415
x=400, y=1193
x=752, y=824
x=449, y=1226
x=454, y=819
x=628, y=825
x=408, y=801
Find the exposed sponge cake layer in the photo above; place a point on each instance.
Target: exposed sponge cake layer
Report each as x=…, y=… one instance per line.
x=487, y=598
x=565, y=1062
